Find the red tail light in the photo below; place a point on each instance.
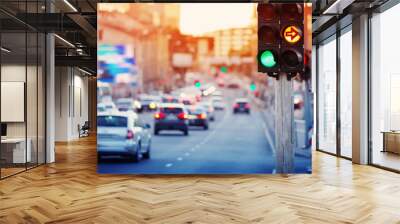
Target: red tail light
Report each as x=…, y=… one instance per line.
x=247, y=106
x=159, y=116
x=237, y=105
x=201, y=116
x=130, y=135
x=182, y=116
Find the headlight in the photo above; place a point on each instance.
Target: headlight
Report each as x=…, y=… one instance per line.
x=152, y=106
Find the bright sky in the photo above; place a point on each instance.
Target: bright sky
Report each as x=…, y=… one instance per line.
x=198, y=18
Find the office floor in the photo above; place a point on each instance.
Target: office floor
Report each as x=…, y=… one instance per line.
x=387, y=159
x=70, y=191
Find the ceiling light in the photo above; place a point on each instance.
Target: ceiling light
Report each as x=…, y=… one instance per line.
x=5, y=50
x=70, y=5
x=64, y=40
x=84, y=71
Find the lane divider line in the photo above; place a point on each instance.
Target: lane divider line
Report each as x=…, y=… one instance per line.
x=169, y=165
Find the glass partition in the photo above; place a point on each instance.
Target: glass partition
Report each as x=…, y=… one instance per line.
x=346, y=93
x=327, y=96
x=22, y=92
x=385, y=89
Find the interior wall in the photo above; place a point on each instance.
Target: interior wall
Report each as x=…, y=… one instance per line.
x=71, y=102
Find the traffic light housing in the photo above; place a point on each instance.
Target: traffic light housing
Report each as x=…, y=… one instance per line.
x=280, y=38
x=292, y=29
x=268, y=38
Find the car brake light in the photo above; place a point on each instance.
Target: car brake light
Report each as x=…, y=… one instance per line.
x=247, y=106
x=129, y=135
x=202, y=116
x=182, y=116
x=159, y=116
x=237, y=106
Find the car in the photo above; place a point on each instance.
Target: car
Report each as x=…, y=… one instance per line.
x=148, y=103
x=169, y=99
x=171, y=116
x=241, y=105
x=218, y=103
x=125, y=104
x=122, y=134
x=209, y=108
x=233, y=86
x=198, y=117
x=106, y=106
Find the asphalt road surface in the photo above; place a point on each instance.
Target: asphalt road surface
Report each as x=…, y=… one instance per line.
x=234, y=144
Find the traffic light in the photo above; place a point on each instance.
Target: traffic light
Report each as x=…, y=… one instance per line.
x=253, y=87
x=268, y=38
x=197, y=83
x=292, y=48
x=280, y=38
x=223, y=69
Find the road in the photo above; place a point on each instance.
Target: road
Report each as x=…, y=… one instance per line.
x=234, y=144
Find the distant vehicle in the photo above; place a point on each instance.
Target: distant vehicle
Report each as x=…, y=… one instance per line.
x=148, y=103
x=106, y=106
x=241, y=105
x=209, y=108
x=171, y=116
x=198, y=117
x=125, y=104
x=217, y=93
x=218, y=103
x=233, y=86
x=122, y=134
x=101, y=107
x=187, y=101
x=169, y=99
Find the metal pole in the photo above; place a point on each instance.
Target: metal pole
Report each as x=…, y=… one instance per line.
x=284, y=125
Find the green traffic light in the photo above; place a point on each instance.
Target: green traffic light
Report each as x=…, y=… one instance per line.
x=224, y=69
x=197, y=84
x=267, y=59
x=253, y=87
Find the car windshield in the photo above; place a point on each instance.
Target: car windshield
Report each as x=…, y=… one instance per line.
x=171, y=110
x=112, y=121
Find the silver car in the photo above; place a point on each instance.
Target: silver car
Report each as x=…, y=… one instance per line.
x=123, y=134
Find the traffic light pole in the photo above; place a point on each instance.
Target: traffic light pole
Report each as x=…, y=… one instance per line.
x=284, y=125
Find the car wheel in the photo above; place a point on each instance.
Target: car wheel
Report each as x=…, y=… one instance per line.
x=186, y=132
x=98, y=158
x=212, y=119
x=136, y=157
x=205, y=127
x=156, y=131
x=146, y=155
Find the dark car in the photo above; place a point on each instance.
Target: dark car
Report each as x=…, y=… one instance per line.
x=198, y=117
x=171, y=116
x=241, y=106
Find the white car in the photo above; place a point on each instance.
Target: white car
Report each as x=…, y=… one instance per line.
x=209, y=108
x=218, y=103
x=106, y=107
x=122, y=134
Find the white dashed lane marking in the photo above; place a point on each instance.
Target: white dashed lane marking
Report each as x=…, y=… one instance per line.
x=169, y=165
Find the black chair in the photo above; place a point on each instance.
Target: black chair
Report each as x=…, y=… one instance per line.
x=84, y=130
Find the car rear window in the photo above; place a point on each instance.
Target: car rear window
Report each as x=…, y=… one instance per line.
x=112, y=121
x=171, y=110
x=195, y=111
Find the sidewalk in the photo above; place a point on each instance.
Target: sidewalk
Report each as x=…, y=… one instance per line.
x=269, y=120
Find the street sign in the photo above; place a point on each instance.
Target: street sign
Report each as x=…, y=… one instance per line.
x=292, y=34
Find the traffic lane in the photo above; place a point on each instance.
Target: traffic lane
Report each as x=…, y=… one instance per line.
x=167, y=148
x=235, y=146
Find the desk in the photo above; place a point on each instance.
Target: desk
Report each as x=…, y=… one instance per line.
x=391, y=141
x=19, y=155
